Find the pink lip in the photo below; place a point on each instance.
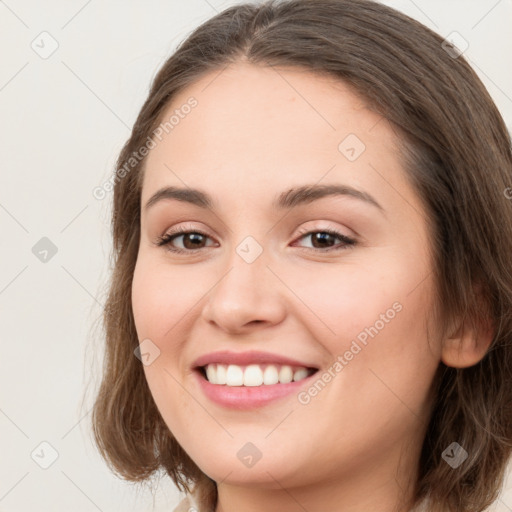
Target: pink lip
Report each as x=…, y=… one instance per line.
x=244, y=398
x=246, y=358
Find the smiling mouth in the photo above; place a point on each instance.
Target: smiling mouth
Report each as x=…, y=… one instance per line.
x=253, y=375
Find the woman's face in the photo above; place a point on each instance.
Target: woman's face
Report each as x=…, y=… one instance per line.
x=267, y=294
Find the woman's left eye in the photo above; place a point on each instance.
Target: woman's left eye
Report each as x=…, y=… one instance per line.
x=326, y=236
x=194, y=237
x=192, y=240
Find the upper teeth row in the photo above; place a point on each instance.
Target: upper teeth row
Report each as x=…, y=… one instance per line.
x=254, y=374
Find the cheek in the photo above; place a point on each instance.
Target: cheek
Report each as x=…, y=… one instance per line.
x=342, y=299
x=161, y=298
x=374, y=315
x=380, y=388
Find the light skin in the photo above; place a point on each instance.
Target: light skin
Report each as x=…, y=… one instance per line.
x=255, y=133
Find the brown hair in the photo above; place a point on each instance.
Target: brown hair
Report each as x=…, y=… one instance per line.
x=457, y=154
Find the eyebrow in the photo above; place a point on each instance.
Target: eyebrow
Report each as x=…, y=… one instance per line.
x=294, y=197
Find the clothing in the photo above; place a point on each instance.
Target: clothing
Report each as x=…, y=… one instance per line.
x=188, y=505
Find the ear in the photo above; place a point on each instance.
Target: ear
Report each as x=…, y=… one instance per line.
x=470, y=341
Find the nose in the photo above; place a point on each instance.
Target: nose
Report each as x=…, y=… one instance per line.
x=247, y=296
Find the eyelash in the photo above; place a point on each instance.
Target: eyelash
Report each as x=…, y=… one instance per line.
x=166, y=239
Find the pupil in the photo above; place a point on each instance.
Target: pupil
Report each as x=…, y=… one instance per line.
x=192, y=237
x=322, y=236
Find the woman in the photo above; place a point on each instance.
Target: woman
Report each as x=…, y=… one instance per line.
x=262, y=369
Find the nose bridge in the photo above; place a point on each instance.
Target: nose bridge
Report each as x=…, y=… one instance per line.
x=248, y=290
x=247, y=275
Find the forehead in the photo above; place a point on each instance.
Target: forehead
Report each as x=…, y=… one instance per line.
x=256, y=128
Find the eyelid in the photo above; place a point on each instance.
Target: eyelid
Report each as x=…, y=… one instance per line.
x=165, y=239
x=321, y=228
x=348, y=241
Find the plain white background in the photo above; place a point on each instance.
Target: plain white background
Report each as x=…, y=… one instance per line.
x=64, y=119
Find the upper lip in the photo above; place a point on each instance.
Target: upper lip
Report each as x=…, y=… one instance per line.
x=246, y=358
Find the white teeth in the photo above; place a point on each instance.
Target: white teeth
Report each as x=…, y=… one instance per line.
x=299, y=374
x=211, y=374
x=285, y=375
x=254, y=374
x=234, y=376
x=270, y=375
x=221, y=374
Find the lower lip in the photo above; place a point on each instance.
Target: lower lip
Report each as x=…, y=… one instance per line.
x=248, y=397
